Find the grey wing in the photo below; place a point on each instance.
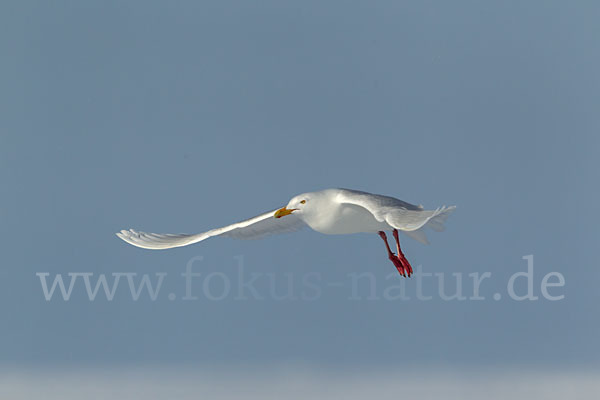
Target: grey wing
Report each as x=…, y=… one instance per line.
x=397, y=213
x=253, y=228
x=375, y=201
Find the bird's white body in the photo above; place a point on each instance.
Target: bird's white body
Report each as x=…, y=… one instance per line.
x=330, y=211
x=345, y=219
x=331, y=215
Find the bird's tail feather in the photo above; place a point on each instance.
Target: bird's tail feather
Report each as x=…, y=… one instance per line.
x=419, y=235
x=435, y=222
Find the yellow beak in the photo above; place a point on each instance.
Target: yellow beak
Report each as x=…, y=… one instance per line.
x=282, y=212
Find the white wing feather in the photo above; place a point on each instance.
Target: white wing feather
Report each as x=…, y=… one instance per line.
x=253, y=228
x=397, y=213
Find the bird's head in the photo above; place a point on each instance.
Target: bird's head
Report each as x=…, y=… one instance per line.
x=298, y=205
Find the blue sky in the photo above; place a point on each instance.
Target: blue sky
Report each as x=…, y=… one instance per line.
x=192, y=115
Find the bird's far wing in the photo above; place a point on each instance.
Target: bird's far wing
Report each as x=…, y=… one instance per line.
x=397, y=213
x=253, y=228
x=408, y=220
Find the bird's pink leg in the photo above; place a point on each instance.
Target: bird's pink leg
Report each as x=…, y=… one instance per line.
x=401, y=256
x=397, y=262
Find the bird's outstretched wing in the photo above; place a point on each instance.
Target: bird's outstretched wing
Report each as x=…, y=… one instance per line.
x=397, y=213
x=253, y=228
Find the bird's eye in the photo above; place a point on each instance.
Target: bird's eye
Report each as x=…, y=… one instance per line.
x=303, y=202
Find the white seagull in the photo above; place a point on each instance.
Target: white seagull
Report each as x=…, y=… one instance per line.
x=329, y=211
